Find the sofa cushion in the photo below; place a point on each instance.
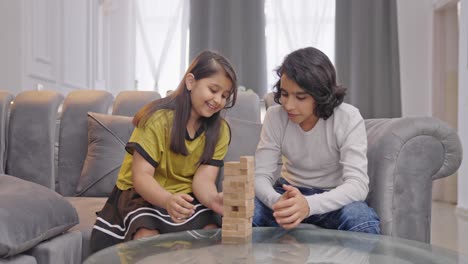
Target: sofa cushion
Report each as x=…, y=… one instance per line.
x=87, y=208
x=107, y=136
x=244, y=138
x=29, y=214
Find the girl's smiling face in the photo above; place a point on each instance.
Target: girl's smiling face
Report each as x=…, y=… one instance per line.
x=208, y=95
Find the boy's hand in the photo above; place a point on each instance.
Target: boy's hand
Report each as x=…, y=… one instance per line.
x=179, y=207
x=291, y=208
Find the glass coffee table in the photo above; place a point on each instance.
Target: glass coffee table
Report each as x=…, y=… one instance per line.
x=276, y=245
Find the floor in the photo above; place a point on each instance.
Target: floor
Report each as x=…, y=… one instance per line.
x=449, y=227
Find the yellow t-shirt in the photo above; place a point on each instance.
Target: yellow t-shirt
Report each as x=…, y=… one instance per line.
x=174, y=172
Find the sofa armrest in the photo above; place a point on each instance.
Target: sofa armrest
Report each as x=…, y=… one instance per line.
x=405, y=155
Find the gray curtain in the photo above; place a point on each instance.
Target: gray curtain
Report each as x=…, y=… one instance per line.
x=236, y=29
x=367, y=58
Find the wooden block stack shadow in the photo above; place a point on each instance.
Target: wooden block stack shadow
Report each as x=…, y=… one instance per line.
x=238, y=200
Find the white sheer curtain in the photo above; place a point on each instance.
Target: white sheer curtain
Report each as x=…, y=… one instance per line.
x=161, y=44
x=295, y=24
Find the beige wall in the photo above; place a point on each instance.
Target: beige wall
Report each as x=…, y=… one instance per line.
x=415, y=45
x=429, y=80
x=463, y=105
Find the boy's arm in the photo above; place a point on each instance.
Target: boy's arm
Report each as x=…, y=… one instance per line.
x=267, y=156
x=204, y=188
x=353, y=157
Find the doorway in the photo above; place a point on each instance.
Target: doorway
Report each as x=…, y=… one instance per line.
x=445, y=82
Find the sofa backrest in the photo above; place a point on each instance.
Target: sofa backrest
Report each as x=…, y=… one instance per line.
x=31, y=137
x=73, y=140
x=269, y=100
x=38, y=130
x=127, y=103
x=247, y=107
x=73, y=137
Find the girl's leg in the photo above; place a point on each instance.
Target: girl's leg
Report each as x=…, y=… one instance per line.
x=144, y=232
x=211, y=226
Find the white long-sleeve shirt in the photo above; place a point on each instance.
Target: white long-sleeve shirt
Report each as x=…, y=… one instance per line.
x=331, y=156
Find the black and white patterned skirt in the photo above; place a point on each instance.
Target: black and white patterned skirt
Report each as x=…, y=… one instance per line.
x=126, y=211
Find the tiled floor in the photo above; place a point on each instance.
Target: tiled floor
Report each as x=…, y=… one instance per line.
x=449, y=228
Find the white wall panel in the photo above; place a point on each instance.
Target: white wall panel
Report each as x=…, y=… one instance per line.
x=40, y=25
x=10, y=46
x=66, y=45
x=75, y=43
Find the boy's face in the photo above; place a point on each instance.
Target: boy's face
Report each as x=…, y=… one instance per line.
x=297, y=103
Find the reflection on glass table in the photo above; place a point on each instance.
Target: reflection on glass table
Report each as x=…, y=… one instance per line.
x=276, y=245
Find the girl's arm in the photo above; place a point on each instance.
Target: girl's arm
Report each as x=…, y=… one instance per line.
x=177, y=205
x=204, y=188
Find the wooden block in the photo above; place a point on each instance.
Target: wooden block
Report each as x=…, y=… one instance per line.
x=239, y=202
x=238, y=172
x=239, y=230
x=229, y=227
x=245, y=189
x=237, y=233
x=232, y=165
x=247, y=163
x=241, y=209
x=236, y=221
x=238, y=214
x=236, y=240
x=239, y=175
x=234, y=186
x=239, y=195
x=237, y=211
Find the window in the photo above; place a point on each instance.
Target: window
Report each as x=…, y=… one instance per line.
x=161, y=44
x=295, y=24
x=162, y=37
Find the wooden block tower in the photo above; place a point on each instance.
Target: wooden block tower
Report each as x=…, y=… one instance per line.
x=238, y=200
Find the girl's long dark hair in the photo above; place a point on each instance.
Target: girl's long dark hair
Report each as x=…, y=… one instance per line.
x=313, y=71
x=206, y=64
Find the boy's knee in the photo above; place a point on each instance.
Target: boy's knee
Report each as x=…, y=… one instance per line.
x=359, y=217
x=360, y=210
x=262, y=214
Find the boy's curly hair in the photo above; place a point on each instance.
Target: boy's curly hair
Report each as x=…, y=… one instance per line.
x=313, y=71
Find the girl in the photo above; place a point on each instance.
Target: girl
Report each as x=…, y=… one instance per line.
x=323, y=140
x=167, y=179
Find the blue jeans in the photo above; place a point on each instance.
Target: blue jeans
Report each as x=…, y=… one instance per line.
x=356, y=216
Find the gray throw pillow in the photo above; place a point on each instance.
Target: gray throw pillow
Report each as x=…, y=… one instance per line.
x=29, y=214
x=107, y=136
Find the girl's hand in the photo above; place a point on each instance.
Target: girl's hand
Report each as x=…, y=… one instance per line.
x=291, y=208
x=179, y=207
x=217, y=204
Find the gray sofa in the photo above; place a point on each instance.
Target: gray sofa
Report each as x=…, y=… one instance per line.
x=60, y=156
